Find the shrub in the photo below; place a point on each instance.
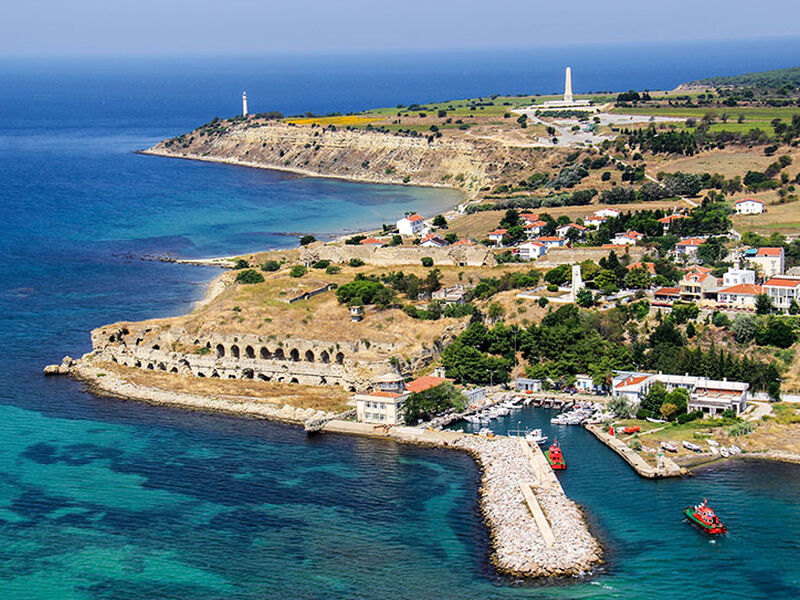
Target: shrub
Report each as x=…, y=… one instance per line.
x=332, y=269
x=552, y=287
x=271, y=265
x=307, y=239
x=433, y=401
x=543, y=302
x=356, y=262
x=321, y=264
x=692, y=416
x=249, y=276
x=298, y=271
x=427, y=261
x=241, y=264
x=740, y=429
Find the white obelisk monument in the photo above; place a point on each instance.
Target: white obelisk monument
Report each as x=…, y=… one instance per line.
x=577, y=280
x=568, y=87
x=244, y=104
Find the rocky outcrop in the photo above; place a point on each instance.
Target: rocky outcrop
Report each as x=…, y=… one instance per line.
x=460, y=162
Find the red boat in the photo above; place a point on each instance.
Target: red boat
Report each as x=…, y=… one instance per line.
x=554, y=456
x=705, y=518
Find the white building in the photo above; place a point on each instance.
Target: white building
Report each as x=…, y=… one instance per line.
x=380, y=408
x=551, y=241
x=528, y=385
x=769, y=261
x=741, y=296
x=607, y=213
x=689, y=247
x=431, y=240
x=629, y=238
x=411, y=225
x=534, y=228
x=736, y=276
x=782, y=290
x=711, y=396
x=563, y=230
x=531, y=250
x=497, y=235
x=748, y=206
x=585, y=384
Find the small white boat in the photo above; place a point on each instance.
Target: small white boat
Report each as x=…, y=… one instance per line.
x=485, y=431
x=536, y=436
x=714, y=450
x=724, y=452
x=691, y=446
x=652, y=420
x=669, y=447
x=734, y=449
x=713, y=443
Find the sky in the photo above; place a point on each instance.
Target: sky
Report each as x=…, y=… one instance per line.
x=34, y=28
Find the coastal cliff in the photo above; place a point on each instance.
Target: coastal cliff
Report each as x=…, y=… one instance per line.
x=458, y=160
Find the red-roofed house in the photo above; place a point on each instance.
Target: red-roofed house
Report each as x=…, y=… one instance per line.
x=528, y=217
x=748, y=206
x=531, y=250
x=742, y=295
x=371, y=241
x=411, y=225
x=424, y=383
x=430, y=240
x=783, y=290
x=648, y=266
x=629, y=238
x=464, y=242
x=666, y=295
x=551, y=241
x=696, y=287
x=769, y=261
x=594, y=221
x=497, y=235
x=565, y=229
x=688, y=247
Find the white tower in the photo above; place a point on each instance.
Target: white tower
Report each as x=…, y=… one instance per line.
x=568, y=86
x=577, y=282
x=244, y=104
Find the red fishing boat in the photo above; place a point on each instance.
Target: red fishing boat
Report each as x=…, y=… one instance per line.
x=554, y=456
x=705, y=518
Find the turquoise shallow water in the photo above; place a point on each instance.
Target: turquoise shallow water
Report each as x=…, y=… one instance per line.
x=107, y=499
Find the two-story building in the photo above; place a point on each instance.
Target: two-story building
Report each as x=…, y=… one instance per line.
x=688, y=248
x=698, y=286
x=768, y=261
x=734, y=276
x=748, y=206
x=497, y=235
x=411, y=225
x=782, y=291
x=530, y=250
x=742, y=296
x=629, y=238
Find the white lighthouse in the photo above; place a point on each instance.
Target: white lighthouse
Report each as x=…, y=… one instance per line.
x=244, y=104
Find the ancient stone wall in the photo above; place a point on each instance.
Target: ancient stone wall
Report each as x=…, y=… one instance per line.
x=472, y=256
x=567, y=256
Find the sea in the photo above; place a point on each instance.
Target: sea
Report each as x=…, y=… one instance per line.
x=102, y=498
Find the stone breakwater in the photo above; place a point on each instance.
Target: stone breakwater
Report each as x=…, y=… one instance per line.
x=106, y=383
x=519, y=547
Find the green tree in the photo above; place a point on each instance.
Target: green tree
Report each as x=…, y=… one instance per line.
x=271, y=265
x=584, y=298
x=744, y=328
x=654, y=398
x=606, y=281
x=241, y=264
x=763, y=304
x=249, y=276
x=364, y=291
x=307, y=239
x=637, y=279
x=427, y=261
x=298, y=271
x=427, y=404
x=440, y=222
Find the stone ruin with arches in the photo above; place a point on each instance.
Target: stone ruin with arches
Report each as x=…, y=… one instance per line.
x=351, y=365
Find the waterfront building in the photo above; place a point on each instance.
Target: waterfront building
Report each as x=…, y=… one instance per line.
x=782, y=291
x=475, y=395
x=769, y=261
x=585, y=384
x=523, y=384
x=711, y=396
x=411, y=225
x=380, y=408
x=748, y=206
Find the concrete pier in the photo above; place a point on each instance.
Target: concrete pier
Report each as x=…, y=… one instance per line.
x=629, y=455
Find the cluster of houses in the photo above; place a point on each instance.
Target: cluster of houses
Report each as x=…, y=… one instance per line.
x=738, y=287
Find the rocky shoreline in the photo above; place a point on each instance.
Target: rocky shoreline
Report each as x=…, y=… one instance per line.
x=519, y=548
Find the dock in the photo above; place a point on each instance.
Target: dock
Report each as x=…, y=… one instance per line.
x=669, y=467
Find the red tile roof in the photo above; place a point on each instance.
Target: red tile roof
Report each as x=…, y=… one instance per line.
x=691, y=242
x=371, y=241
x=743, y=289
x=498, y=232
x=464, y=242
x=782, y=282
x=669, y=219
x=381, y=394
x=632, y=380
x=528, y=216
x=748, y=200
x=424, y=383
x=651, y=267
x=668, y=291
x=769, y=252
x=414, y=217
x=550, y=238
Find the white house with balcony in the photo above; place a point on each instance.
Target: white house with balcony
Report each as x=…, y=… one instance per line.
x=734, y=276
x=531, y=250
x=411, y=225
x=782, y=290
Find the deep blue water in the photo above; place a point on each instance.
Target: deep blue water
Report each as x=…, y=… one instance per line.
x=108, y=499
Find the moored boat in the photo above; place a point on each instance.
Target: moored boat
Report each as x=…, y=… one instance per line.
x=536, y=437
x=691, y=446
x=704, y=517
x=669, y=447
x=555, y=457
x=724, y=452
